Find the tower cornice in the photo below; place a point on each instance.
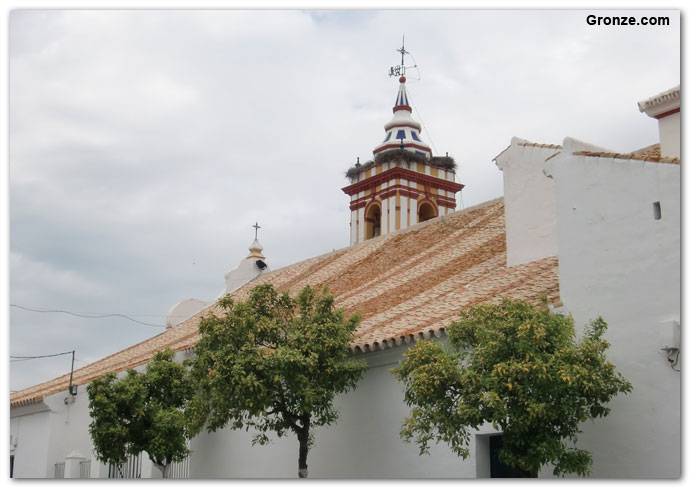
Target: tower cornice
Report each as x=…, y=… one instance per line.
x=405, y=174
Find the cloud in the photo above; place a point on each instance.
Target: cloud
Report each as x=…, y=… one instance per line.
x=50, y=279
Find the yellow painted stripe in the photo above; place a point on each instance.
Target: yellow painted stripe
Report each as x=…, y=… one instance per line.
x=357, y=224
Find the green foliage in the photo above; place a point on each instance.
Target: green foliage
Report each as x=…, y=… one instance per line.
x=273, y=363
x=518, y=367
x=141, y=412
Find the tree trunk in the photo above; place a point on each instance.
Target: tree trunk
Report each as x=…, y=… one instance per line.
x=303, y=437
x=163, y=469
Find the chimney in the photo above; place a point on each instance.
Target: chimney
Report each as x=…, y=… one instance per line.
x=530, y=201
x=665, y=107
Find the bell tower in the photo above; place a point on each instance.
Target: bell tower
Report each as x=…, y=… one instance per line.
x=404, y=184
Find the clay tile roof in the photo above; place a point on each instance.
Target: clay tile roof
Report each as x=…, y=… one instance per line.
x=536, y=144
x=499, y=154
x=553, y=156
x=647, y=155
x=654, y=150
x=529, y=144
x=406, y=285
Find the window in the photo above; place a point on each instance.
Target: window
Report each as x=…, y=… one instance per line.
x=414, y=136
x=656, y=206
x=388, y=136
x=426, y=212
x=372, y=222
x=401, y=134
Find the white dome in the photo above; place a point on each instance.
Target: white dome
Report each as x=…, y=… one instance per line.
x=403, y=132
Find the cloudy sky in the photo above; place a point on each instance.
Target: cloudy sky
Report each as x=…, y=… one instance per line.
x=145, y=144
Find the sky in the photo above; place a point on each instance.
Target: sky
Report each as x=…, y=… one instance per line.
x=144, y=144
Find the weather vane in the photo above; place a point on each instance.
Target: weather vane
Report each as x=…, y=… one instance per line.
x=399, y=70
x=256, y=230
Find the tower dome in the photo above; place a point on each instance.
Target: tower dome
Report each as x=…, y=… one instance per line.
x=403, y=132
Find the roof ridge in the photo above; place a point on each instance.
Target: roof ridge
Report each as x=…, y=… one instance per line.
x=537, y=144
x=636, y=157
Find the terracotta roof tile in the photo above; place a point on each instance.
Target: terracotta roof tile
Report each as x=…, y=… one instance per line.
x=552, y=156
x=408, y=284
x=536, y=144
x=636, y=156
x=529, y=144
x=653, y=150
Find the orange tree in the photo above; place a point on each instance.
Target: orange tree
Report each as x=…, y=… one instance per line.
x=141, y=412
x=516, y=366
x=274, y=363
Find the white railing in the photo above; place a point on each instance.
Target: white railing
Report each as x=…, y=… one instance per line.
x=85, y=468
x=179, y=470
x=129, y=469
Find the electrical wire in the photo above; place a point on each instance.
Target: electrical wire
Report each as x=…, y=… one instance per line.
x=428, y=134
x=87, y=316
x=419, y=114
x=17, y=359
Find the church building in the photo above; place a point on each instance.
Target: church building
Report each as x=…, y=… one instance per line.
x=595, y=231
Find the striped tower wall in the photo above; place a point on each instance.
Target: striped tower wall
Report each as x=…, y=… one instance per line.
x=391, y=186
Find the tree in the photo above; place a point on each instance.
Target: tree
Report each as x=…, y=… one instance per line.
x=141, y=412
x=517, y=366
x=274, y=363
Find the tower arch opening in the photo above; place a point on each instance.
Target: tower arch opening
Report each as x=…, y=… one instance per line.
x=426, y=211
x=373, y=221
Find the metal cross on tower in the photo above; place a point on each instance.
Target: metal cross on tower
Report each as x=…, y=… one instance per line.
x=400, y=69
x=256, y=230
x=402, y=53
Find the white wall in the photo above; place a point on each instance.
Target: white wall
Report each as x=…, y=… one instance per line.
x=30, y=426
x=364, y=443
x=618, y=262
x=49, y=436
x=670, y=136
x=50, y=431
x=529, y=196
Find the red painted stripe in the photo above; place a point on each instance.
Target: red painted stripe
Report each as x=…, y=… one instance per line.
x=396, y=172
x=393, y=145
x=666, y=114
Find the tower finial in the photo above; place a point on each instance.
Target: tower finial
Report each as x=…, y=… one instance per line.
x=256, y=230
x=400, y=69
x=402, y=53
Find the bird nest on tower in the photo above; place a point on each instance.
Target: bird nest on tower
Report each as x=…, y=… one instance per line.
x=395, y=155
